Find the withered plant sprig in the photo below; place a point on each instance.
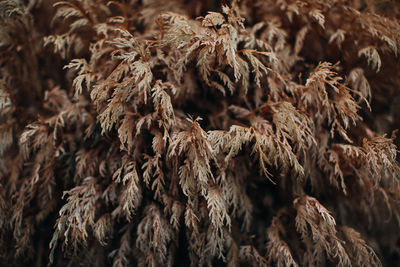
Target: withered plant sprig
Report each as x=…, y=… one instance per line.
x=199, y=133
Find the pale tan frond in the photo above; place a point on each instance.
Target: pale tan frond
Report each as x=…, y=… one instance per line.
x=278, y=250
x=315, y=223
x=372, y=55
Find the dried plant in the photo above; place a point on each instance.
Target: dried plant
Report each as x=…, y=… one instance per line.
x=192, y=133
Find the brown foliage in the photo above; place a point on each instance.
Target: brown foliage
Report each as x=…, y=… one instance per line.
x=168, y=133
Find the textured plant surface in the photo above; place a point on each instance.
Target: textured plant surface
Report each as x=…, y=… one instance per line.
x=199, y=133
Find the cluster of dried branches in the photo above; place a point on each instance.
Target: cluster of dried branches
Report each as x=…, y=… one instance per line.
x=185, y=132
